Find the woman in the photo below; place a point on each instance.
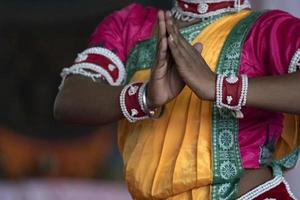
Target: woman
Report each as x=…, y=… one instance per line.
x=219, y=83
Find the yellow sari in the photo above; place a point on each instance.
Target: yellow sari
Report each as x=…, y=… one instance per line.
x=171, y=158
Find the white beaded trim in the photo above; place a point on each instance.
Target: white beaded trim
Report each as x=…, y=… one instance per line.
x=110, y=55
x=129, y=116
x=179, y=14
x=295, y=62
x=266, y=187
x=219, y=92
x=288, y=188
x=82, y=69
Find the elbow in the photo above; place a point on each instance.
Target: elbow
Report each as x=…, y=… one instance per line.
x=62, y=110
x=59, y=110
x=68, y=109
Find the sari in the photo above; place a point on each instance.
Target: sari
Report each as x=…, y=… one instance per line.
x=196, y=151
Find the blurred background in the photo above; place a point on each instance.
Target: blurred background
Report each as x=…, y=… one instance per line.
x=42, y=159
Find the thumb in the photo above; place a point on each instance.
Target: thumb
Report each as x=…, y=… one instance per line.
x=198, y=46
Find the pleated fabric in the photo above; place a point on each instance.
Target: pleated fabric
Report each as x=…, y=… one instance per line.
x=170, y=158
x=289, y=140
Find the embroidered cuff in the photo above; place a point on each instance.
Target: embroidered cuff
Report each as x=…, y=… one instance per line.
x=97, y=62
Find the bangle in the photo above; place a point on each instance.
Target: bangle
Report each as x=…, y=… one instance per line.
x=231, y=93
x=143, y=100
x=129, y=103
x=133, y=103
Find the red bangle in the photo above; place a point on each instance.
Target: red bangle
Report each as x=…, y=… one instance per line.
x=231, y=93
x=130, y=102
x=232, y=88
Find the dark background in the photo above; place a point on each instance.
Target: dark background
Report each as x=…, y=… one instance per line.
x=37, y=39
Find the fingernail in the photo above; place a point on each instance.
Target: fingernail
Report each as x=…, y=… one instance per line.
x=170, y=22
x=171, y=38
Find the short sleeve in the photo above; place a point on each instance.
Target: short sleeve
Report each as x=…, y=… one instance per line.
x=111, y=43
x=120, y=31
x=273, y=45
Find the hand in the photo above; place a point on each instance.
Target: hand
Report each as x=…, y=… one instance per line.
x=190, y=65
x=165, y=83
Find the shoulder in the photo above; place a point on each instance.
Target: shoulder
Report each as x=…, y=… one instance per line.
x=273, y=41
x=131, y=17
x=276, y=18
x=134, y=10
x=126, y=27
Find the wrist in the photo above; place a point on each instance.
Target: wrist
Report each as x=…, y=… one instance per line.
x=154, y=112
x=209, y=92
x=231, y=93
x=134, y=105
x=211, y=96
x=150, y=101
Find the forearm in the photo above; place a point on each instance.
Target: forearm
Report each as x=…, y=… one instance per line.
x=277, y=93
x=86, y=102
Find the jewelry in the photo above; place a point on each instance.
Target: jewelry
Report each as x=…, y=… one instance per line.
x=152, y=113
x=133, y=103
x=231, y=93
x=97, y=62
x=188, y=10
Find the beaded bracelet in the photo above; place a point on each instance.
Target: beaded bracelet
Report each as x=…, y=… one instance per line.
x=133, y=102
x=231, y=93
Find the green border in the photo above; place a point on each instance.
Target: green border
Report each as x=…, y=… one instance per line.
x=227, y=164
x=143, y=55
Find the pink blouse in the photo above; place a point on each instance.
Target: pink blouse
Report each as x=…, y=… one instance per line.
x=268, y=51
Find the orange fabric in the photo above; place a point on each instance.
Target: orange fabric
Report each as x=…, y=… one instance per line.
x=170, y=158
x=23, y=156
x=290, y=138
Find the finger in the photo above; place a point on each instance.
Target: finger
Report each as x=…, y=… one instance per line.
x=176, y=53
x=187, y=50
x=163, y=48
x=161, y=32
x=175, y=34
x=169, y=26
x=181, y=49
x=182, y=56
x=161, y=24
x=181, y=41
x=160, y=68
x=162, y=44
x=162, y=53
x=198, y=46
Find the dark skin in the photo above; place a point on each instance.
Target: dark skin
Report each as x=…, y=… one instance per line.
x=178, y=64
